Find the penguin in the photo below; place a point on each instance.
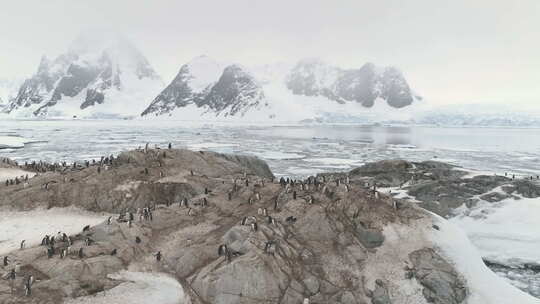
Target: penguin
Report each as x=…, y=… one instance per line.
x=276, y=204
x=306, y=301
x=27, y=289
x=244, y=221
x=137, y=240
x=229, y=195
x=65, y=237
x=63, y=253
x=270, y=220
x=294, y=195
x=264, y=212
x=146, y=171
x=23, y=244
x=30, y=280
x=222, y=250
x=99, y=170
x=49, y=253
x=269, y=247
x=205, y=202
x=258, y=196
x=191, y=172
x=114, y=251
x=250, y=201
x=87, y=241
x=254, y=226
x=259, y=211
x=158, y=256
x=109, y=220
x=161, y=174
x=247, y=183
x=205, y=190
x=6, y=261
x=81, y=253
x=86, y=228
x=291, y=219
x=129, y=223
x=170, y=146
x=310, y=200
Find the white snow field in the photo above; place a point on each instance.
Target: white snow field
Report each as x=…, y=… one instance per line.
x=139, y=288
x=33, y=225
x=507, y=232
x=485, y=286
x=9, y=173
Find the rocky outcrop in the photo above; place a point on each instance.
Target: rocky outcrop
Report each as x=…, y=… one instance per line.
x=282, y=243
x=442, y=187
x=442, y=285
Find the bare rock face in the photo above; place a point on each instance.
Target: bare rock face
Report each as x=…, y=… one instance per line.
x=227, y=231
x=442, y=285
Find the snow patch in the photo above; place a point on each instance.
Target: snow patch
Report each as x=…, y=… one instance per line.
x=139, y=288
x=33, y=225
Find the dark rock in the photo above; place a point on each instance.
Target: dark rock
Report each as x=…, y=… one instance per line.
x=442, y=284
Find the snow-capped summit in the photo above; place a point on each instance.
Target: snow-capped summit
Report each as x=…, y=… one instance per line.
x=236, y=92
x=101, y=75
x=364, y=85
x=207, y=87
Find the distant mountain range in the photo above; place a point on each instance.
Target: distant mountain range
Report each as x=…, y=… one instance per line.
x=210, y=90
x=106, y=76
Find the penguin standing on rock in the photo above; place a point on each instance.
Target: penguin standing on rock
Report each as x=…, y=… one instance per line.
x=158, y=256
x=223, y=250
x=6, y=261
x=23, y=244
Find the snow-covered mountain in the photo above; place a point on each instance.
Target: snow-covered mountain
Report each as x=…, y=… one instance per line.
x=8, y=89
x=311, y=89
x=101, y=75
x=205, y=84
x=365, y=85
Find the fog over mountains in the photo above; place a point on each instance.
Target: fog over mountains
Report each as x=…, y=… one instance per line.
x=98, y=77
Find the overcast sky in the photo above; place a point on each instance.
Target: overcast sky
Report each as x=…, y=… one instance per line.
x=457, y=51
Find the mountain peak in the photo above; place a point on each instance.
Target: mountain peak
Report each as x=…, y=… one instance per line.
x=98, y=68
